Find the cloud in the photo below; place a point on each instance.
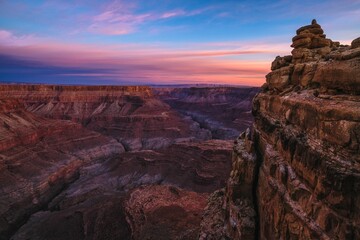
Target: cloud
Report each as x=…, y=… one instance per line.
x=9, y=39
x=120, y=17
x=138, y=63
x=173, y=14
x=111, y=29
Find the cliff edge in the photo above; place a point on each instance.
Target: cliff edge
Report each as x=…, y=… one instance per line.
x=296, y=173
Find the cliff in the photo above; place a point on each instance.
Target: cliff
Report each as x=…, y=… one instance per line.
x=296, y=173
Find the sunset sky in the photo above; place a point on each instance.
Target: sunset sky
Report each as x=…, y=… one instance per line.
x=138, y=42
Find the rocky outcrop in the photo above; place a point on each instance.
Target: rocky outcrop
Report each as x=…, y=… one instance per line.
x=317, y=62
x=132, y=115
x=224, y=111
x=301, y=158
x=164, y=212
x=231, y=213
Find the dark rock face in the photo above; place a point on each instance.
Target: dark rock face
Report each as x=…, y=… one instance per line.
x=298, y=168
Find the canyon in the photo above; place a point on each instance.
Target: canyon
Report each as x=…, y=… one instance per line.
x=76, y=161
x=115, y=162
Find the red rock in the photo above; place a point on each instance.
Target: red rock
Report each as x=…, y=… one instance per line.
x=38, y=158
x=305, y=181
x=132, y=115
x=164, y=212
x=355, y=43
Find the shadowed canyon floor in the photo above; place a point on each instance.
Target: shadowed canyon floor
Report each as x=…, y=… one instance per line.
x=77, y=161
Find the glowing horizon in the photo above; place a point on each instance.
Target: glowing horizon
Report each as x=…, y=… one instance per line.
x=157, y=42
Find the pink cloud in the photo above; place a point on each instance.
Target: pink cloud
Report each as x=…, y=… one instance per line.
x=173, y=14
x=8, y=38
x=197, y=63
x=111, y=29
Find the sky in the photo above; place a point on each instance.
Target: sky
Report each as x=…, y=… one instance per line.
x=143, y=42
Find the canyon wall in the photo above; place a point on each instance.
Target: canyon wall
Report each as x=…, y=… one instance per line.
x=39, y=157
x=132, y=115
x=224, y=111
x=296, y=173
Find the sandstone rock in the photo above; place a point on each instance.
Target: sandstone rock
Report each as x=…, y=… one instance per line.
x=355, y=43
x=280, y=62
x=342, y=75
x=279, y=78
x=301, y=175
x=164, y=212
x=308, y=145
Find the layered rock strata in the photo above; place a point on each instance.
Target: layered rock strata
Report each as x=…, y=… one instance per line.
x=306, y=141
x=135, y=194
x=38, y=158
x=132, y=115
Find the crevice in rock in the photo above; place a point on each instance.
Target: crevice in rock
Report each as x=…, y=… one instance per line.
x=41, y=207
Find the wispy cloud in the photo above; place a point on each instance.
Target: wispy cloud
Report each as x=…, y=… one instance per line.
x=7, y=38
x=173, y=14
x=121, y=17
x=146, y=64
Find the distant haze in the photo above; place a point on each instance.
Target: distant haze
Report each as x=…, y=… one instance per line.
x=158, y=41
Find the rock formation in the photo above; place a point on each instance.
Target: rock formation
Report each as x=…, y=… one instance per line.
x=132, y=115
x=38, y=158
x=296, y=173
x=107, y=200
x=171, y=213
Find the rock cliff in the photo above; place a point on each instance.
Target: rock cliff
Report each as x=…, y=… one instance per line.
x=296, y=173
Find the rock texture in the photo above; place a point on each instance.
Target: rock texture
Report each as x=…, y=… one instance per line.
x=72, y=158
x=100, y=205
x=171, y=213
x=132, y=115
x=297, y=172
x=224, y=111
x=38, y=158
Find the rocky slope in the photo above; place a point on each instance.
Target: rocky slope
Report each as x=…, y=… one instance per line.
x=170, y=214
x=38, y=158
x=224, y=111
x=296, y=174
x=132, y=115
x=132, y=195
